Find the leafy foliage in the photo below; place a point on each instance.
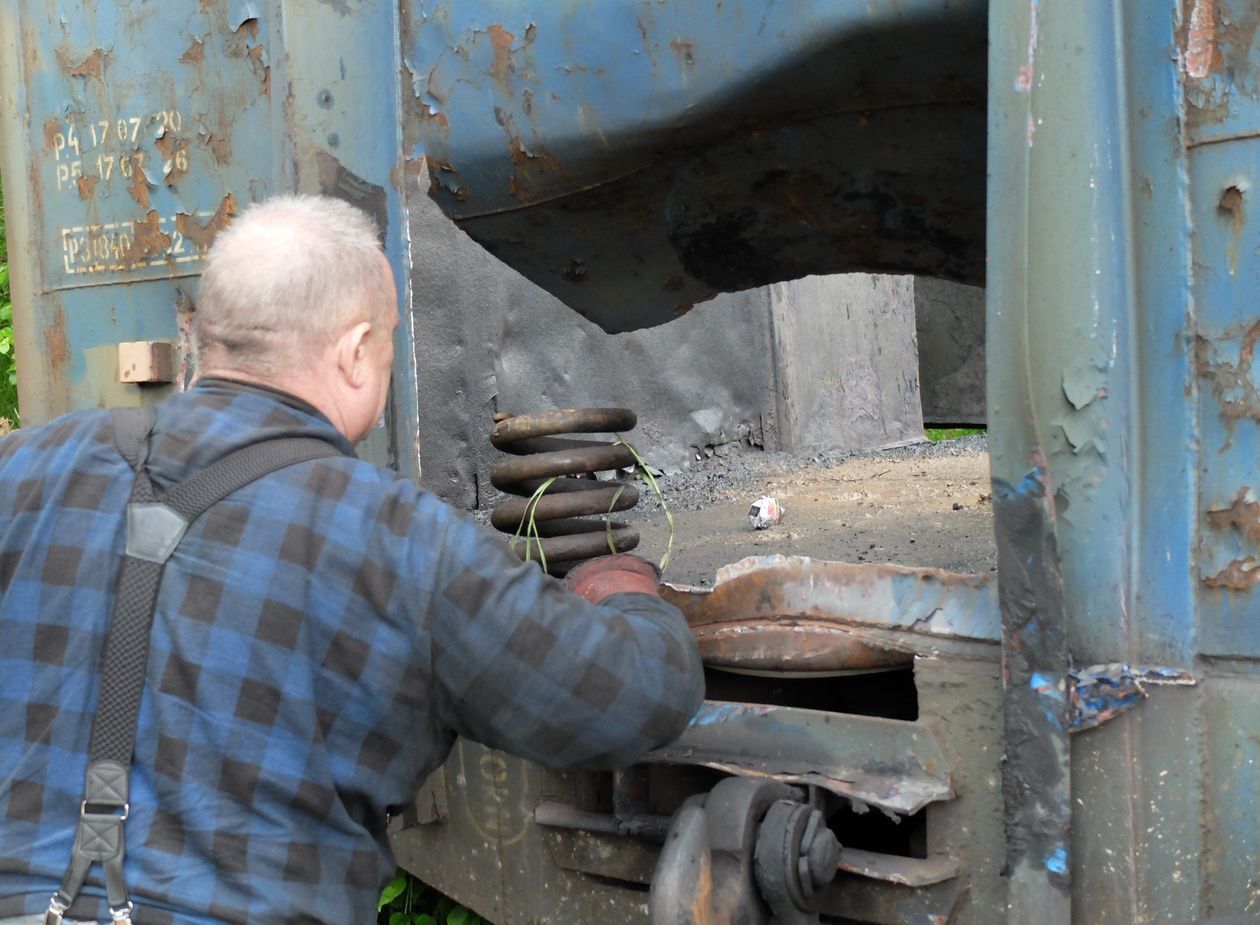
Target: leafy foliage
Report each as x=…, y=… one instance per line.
x=8, y=372
x=407, y=901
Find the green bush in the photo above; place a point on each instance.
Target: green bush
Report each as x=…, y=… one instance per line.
x=407, y=901
x=8, y=372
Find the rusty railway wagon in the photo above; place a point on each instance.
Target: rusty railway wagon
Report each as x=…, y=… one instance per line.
x=1075, y=740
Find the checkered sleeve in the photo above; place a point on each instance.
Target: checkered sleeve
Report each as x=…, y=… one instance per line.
x=523, y=665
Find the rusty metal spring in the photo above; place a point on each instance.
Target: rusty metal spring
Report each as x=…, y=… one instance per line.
x=567, y=514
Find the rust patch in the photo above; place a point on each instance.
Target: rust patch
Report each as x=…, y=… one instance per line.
x=55, y=341
x=140, y=184
x=185, y=308
x=87, y=186
x=1239, y=575
x=174, y=151
x=196, y=53
x=501, y=41
x=686, y=50
x=249, y=26
x=1232, y=384
x=415, y=169
x=1235, y=41
x=203, y=235
x=520, y=157
x=1243, y=515
x=1231, y=206
x=798, y=645
x=1201, y=40
x=437, y=117
x=1024, y=77
x=529, y=163
x=220, y=147
x=1218, y=39
x=93, y=65
x=149, y=241
x=52, y=128
x=261, y=70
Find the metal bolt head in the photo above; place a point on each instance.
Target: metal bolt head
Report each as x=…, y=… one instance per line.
x=819, y=854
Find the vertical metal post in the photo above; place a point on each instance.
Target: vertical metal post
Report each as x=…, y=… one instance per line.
x=343, y=113
x=1060, y=351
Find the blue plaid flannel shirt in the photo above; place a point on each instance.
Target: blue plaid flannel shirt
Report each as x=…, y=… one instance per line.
x=320, y=638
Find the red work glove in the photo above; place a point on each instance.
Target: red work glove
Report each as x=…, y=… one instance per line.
x=599, y=579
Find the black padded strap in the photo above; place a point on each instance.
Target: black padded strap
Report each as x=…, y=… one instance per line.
x=132, y=427
x=155, y=526
x=191, y=498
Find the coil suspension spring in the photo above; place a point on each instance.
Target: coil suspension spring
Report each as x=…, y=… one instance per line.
x=568, y=515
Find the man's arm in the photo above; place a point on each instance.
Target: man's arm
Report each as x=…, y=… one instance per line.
x=522, y=664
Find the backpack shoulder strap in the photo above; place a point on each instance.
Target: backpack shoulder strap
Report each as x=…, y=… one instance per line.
x=155, y=527
x=132, y=427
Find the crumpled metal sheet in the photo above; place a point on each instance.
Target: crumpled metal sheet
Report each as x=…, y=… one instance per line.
x=895, y=765
x=1102, y=692
x=793, y=613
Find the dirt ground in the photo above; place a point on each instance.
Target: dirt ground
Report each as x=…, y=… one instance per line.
x=926, y=505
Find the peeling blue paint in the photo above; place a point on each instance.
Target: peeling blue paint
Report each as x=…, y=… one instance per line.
x=1102, y=692
x=712, y=713
x=241, y=12
x=1056, y=863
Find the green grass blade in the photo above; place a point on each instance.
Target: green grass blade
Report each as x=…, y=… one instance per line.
x=660, y=495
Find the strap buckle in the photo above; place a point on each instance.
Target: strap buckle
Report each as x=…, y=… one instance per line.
x=97, y=807
x=56, y=909
x=121, y=914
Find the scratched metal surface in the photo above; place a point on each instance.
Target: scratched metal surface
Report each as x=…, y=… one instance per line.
x=640, y=160
x=892, y=764
x=130, y=133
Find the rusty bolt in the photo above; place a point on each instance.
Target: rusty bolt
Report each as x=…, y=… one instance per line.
x=819, y=855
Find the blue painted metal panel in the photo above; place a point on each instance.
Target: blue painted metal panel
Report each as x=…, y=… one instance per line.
x=635, y=158
x=1228, y=326
x=581, y=92
x=1221, y=65
x=126, y=175
x=140, y=131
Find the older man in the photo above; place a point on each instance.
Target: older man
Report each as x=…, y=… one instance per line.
x=320, y=636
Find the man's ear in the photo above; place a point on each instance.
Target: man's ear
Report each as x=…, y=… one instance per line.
x=352, y=357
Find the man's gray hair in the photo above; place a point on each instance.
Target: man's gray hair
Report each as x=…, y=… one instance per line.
x=287, y=277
